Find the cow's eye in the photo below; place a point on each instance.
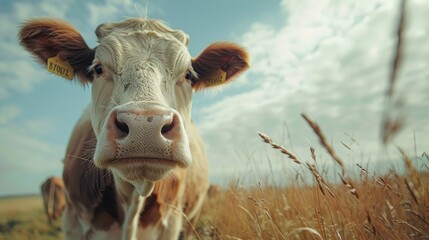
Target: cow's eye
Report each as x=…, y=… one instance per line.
x=98, y=69
x=188, y=75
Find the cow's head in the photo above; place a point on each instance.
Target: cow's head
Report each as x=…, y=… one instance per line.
x=142, y=78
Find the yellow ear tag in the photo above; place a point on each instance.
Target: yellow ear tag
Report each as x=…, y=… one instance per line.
x=217, y=78
x=60, y=67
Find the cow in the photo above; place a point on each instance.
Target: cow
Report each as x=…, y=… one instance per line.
x=135, y=166
x=213, y=191
x=52, y=190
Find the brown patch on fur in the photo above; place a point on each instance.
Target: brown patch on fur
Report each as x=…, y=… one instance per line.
x=151, y=214
x=87, y=186
x=45, y=38
x=167, y=190
x=106, y=213
x=225, y=56
x=164, y=194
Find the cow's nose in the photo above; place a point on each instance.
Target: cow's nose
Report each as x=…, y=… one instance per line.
x=160, y=124
x=143, y=133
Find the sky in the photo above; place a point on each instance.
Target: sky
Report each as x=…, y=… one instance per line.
x=329, y=59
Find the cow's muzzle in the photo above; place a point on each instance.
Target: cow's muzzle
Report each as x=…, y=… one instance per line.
x=143, y=140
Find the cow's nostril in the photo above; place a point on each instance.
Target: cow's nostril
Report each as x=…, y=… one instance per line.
x=167, y=128
x=123, y=129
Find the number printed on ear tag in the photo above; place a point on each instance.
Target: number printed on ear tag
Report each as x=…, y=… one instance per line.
x=60, y=67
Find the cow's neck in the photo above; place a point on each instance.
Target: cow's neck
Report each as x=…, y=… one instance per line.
x=132, y=204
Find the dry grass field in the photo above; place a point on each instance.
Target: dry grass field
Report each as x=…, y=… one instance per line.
x=23, y=218
x=379, y=207
x=372, y=207
x=390, y=206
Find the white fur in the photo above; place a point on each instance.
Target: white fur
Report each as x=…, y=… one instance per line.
x=130, y=225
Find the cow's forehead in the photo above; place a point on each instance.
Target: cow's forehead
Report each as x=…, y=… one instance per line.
x=141, y=24
x=143, y=40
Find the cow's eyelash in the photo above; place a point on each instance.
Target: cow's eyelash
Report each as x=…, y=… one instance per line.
x=91, y=68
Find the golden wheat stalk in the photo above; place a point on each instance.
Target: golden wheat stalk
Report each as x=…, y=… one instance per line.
x=324, y=142
x=383, y=182
x=369, y=220
x=313, y=153
x=411, y=188
x=305, y=229
x=283, y=150
x=349, y=185
x=398, y=50
x=390, y=125
x=320, y=181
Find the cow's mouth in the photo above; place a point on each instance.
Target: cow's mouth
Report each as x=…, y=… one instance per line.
x=145, y=162
x=153, y=169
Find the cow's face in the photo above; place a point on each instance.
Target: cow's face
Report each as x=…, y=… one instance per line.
x=142, y=79
x=141, y=100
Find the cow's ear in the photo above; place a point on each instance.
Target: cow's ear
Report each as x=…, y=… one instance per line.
x=218, y=64
x=59, y=43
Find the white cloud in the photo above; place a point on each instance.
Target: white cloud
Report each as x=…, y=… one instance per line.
x=46, y=8
x=102, y=12
x=20, y=76
x=19, y=151
x=331, y=59
x=25, y=145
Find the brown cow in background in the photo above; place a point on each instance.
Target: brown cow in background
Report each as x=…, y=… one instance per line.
x=53, y=197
